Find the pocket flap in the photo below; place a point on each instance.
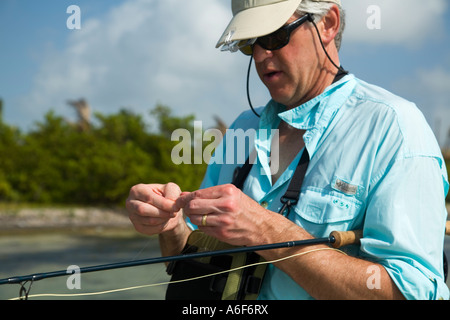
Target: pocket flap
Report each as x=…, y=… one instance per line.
x=327, y=207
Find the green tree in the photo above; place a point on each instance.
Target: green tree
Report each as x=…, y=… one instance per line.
x=55, y=162
x=169, y=123
x=10, y=151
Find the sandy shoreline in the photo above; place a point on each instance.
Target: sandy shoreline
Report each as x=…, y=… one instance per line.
x=61, y=218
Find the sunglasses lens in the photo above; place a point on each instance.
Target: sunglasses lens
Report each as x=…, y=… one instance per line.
x=275, y=40
x=247, y=50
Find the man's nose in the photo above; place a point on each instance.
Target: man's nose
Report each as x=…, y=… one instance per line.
x=260, y=54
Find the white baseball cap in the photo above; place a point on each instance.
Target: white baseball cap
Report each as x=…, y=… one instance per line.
x=256, y=18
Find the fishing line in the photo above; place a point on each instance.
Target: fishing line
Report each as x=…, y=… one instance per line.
x=248, y=88
x=325, y=50
x=146, y=245
x=142, y=249
x=173, y=282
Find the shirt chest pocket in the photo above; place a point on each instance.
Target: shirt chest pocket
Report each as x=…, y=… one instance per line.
x=321, y=211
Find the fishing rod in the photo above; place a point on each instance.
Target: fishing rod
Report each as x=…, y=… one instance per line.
x=336, y=239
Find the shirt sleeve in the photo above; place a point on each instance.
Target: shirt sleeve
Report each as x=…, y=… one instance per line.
x=404, y=228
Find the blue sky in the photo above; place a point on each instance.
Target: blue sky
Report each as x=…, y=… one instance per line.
x=137, y=53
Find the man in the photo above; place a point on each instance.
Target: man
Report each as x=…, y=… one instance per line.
x=374, y=165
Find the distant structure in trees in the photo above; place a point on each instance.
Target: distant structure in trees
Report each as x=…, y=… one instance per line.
x=220, y=124
x=83, y=111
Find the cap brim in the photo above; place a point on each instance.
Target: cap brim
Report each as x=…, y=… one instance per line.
x=258, y=21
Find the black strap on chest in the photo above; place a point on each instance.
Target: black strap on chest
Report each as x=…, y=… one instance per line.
x=241, y=173
x=292, y=193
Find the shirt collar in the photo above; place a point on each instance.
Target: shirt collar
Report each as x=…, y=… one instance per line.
x=319, y=109
x=313, y=116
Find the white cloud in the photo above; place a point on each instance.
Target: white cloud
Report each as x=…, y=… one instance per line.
x=143, y=52
x=403, y=22
x=408, y=25
x=430, y=88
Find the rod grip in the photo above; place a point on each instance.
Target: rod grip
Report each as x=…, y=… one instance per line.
x=344, y=238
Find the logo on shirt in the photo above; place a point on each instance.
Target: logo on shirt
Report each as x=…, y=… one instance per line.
x=345, y=187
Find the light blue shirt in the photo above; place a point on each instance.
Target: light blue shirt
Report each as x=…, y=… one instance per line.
x=374, y=165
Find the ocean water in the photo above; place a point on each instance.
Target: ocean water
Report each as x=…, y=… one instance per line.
x=24, y=253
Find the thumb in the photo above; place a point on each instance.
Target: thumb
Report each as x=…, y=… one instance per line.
x=172, y=191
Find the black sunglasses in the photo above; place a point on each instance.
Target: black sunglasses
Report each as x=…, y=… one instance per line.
x=276, y=40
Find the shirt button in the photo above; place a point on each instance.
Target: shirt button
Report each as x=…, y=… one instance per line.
x=264, y=204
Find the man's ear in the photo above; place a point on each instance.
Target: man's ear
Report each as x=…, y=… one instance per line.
x=331, y=23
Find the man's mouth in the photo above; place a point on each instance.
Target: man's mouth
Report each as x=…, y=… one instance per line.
x=272, y=75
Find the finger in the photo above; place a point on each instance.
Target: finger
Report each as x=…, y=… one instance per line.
x=194, y=206
x=172, y=191
x=208, y=193
x=146, y=210
x=216, y=191
x=183, y=200
x=161, y=202
x=205, y=220
x=145, y=226
x=153, y=194
x=150, y=221
x=200, y=207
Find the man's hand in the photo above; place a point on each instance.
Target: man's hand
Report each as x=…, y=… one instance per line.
x=151, y=208
x=226, y=213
